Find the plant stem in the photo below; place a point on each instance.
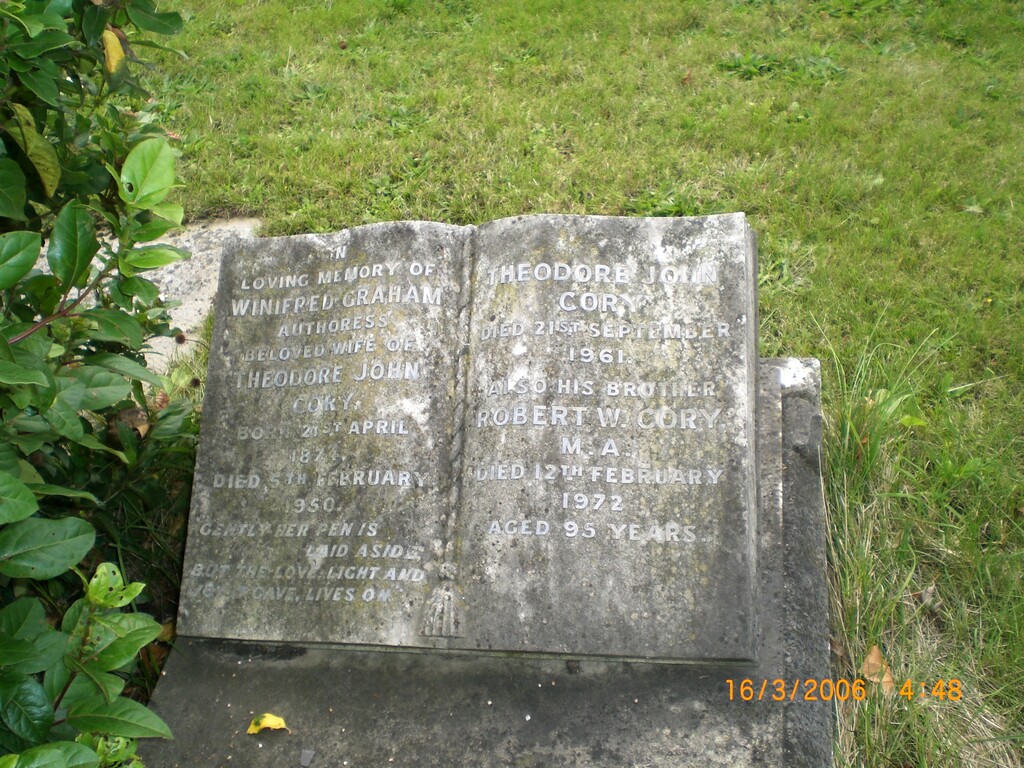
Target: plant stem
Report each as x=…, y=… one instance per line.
x=63, y=311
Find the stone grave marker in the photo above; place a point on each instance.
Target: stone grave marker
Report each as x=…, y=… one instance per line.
x=544, y=447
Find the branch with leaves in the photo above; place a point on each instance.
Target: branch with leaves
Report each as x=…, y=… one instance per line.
x=76, y=157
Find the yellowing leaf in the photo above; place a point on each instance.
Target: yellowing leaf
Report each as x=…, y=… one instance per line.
x=113, y=53
x=876, y=670
x=38, y=150
x=267, y=721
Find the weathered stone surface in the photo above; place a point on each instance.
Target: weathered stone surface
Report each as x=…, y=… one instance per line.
x=324, y=467
x=609, y=502
x=532, y=436
x=356, y=708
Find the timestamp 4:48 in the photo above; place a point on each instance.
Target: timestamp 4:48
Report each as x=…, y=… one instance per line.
x=946, y=690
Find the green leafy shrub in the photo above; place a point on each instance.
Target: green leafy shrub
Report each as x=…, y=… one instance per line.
x=85, y=169
x=60, y=700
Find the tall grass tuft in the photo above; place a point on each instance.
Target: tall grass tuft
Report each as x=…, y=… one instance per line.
x=896, y=548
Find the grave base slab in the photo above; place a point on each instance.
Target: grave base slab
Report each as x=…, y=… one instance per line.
x=371, y=708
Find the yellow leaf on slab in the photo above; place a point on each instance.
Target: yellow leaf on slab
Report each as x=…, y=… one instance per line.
x=265, y=722
x=876, y=670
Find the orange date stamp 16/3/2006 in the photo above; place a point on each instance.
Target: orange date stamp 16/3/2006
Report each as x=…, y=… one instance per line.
x=827, y=689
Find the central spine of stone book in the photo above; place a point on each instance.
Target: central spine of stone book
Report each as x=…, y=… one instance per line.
x=442, y=616
x=531, y=436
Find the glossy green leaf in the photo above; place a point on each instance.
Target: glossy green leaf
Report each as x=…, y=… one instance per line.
x=29, y=443
x=73, y=245
x=41, y=549
x=47, y=651
x=45, y=40
x=59, y=9
x=115, y=325
x=12, y=190
x=62, y=414
x=14, y=651
x=19, y=252
x=50, y=17
x=144, y=15
x=159, y=225
x=108, y=590
x=42, y=85
x=94, y=21
x=119, y=637
x=89, y=441
x=14, y=374
x=17, y=502
x=33, y=25
x=9, y=459
x=75, y=617
x=121, y=717
x=103, y=388
x=45, y=489
x=17, y=64
x=144, y=290
x=38, y=150
x=169, y=422
x=11, y=743
x=29, y=475
x=29, y=426
x=147, y=176
x=30, y=349
x=22, y=397
x=78, y=755
x=8, y=687
x=24, y=619
x=89, y=682
x=57, y=680
x=125, y=367
x=153, y=256
x=171, y=212
x=58, y=754
x=28, y=712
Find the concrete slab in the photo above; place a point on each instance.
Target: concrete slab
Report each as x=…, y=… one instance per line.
x=193, y=282
x=358, y=709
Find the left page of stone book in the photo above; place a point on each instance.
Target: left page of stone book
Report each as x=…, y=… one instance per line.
x=323, y=484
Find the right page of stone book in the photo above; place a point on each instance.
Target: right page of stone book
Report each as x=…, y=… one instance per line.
x=608, y=502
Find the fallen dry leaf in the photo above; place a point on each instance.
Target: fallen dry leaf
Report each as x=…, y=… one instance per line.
x=265, y=722
x=876, y=670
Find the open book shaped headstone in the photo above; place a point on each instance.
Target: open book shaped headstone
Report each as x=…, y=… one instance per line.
x=518, y=457
x=536, y=435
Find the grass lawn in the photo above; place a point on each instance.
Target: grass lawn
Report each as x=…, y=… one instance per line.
x=877, y=148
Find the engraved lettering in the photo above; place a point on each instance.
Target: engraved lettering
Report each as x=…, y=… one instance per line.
x=595, y=302
x=375, y=370
x=274, y=281
x=685, y=418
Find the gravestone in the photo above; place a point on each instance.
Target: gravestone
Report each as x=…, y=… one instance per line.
x=541, y=453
